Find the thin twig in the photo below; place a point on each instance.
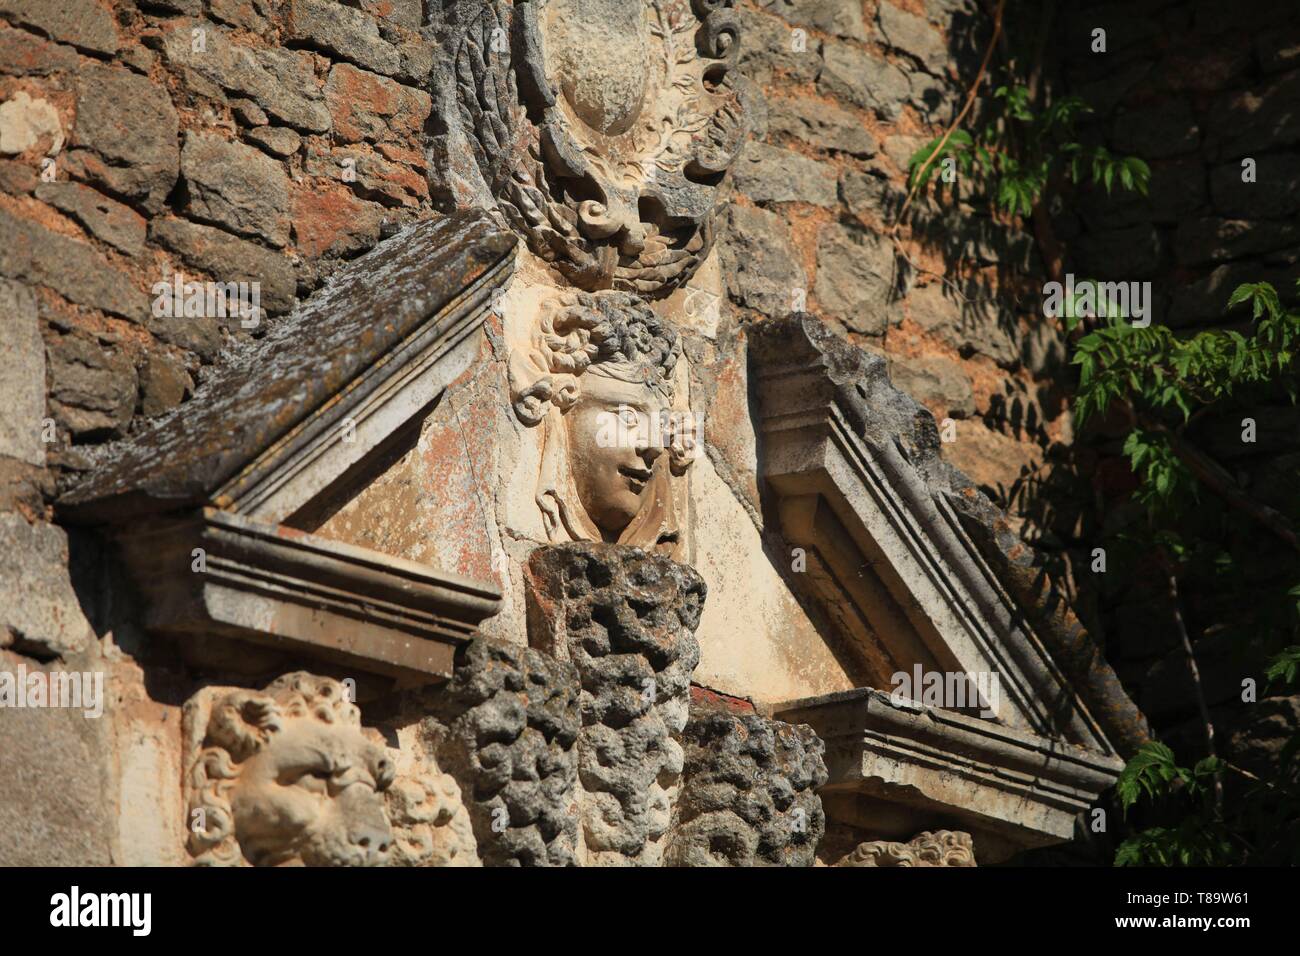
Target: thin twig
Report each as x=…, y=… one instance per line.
x=1195, y=672
x=970, y=101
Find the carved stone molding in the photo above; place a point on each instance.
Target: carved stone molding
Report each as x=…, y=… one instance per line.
x=626, y=620
x=602, y=128
x=599, y=374
x=283, y=776
x=939, y=848
x=896, y=767
x=749, y=797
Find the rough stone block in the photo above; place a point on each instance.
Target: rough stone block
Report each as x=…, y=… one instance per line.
x=854, y=277
x=770, y=174
x=118, y=225
x=84, y=24
x=229, y=259
x=864, y=80
x=39, y=611
x=760, y=265
x=236, y=186
x=22, y=376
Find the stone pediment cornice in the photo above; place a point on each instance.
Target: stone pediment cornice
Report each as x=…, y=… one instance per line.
x=212, y=505
x=856, y=478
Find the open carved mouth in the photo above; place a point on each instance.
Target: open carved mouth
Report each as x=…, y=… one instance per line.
x=637, y=477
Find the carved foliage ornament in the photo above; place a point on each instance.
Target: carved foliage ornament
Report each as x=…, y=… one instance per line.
x=603, y=128
x=931, y=848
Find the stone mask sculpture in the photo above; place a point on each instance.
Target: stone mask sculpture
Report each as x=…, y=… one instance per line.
x=601, y=129
x=598, y=376
x=283, y=777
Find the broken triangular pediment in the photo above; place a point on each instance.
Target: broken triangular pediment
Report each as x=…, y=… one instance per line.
x=907, y=558
x=209, y=504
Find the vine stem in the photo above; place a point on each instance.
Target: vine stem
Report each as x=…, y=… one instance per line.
x=952, y=127
x=1195, y=672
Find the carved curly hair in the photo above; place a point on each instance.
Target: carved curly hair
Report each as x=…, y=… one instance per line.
x=607, y=333
x=234, y=726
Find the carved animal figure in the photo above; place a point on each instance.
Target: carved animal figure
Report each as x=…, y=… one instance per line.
x=285, y=777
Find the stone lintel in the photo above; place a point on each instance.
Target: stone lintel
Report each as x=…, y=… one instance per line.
x=300, y=593
x=896, y=769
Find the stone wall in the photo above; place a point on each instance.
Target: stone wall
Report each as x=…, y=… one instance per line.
x=1196, y=89
x=852, y=90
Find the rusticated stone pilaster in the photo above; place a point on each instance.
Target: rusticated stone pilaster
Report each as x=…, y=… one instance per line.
x=626, y=619
x=749, y=793
x=505, y=726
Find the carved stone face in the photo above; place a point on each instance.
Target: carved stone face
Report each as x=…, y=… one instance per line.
x=313, y=796
x=613, y=477
x=284, y=777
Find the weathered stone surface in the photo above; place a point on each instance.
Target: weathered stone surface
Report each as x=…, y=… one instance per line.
x=821, y=125
x=118, y=225
x=1275, y=193
x=243, y=748
x=56, y=803
x=17, y=178
x=75, y=270
x=22, y=54
x=366, y=106
x=939, y=848
x=276, y=140
x=84, y=24
x=626, y=619
x=864, y=80
x=281, y=82
x=759, y=262
x=26, y=121
x=768, y=50
x=1132, y=252
x=126, y=133
x=369, y=175
x=1254, y=120
x=973, y=326
x=912, y=35
x=164, y=384
x=854, y=277
x=871, y=195
x=330, y=220
x=989, y=458
x=506, y=727
x=261, y=391
x=1157, y=132
x=1178, y=188
x=769, y=174
x=749, y=793
x=253, y=15
x=236, y=186
x=938, y=383
x=229, y=259
x=1203, y=241
x=346, y=32
x=39, y=611
x=22, y=376
x=842, y=18
x=92, y=388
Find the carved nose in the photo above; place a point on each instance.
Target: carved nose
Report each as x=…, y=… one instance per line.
x=374, y=843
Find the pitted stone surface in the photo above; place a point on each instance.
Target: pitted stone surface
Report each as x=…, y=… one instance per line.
x=626, y=618
x=505, y=726
x=749, y=794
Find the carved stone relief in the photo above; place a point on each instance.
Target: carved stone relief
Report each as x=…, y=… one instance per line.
x=505, y=726
x=598, y=372
x=626, y=619
x=749, y=797
x=937, y=848
x=602, y=128
x=284, y=776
